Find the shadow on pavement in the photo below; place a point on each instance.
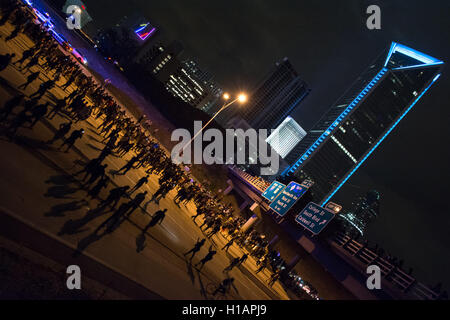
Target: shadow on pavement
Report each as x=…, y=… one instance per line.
x=74, y=226
x=62, y=179
x=60, y=192
x=202, y=287
x=59, y=210
x=91, y=137
x=140, y=242
x=190, y=270
x=30, y=142
x=90, y=145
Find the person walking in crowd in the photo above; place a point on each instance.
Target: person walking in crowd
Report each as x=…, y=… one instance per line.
x=157, y=218
x=197, y=246
x=140, y=183
x=74, y=136
x=10, y=105
x=208, y=257
x=30, y=79
x=63, y=129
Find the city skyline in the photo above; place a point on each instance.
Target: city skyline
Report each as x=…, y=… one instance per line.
x=340, y=45
x=324, y=176
x=362, y=118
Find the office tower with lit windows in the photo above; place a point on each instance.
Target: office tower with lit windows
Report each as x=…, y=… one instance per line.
x=178, y=77
x=184, y=85
x=286, y=136
x=361, y=119
x=275, y=97
x=206, y=80
x=364, y=210
x=163, y=61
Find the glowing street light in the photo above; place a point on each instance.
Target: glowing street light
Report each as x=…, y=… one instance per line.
x=241, y=98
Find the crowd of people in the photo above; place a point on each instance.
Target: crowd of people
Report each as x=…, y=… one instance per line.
x=122, y=135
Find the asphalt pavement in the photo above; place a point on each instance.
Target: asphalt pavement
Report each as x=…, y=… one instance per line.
x=35, y=185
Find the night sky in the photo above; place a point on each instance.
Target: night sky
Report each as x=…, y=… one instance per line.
x=329, y=45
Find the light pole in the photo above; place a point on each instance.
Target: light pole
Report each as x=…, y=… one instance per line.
x=242, y=98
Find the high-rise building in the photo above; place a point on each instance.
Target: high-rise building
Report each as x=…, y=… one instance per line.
x=286, y=136
x=362, y=118
x=184, y=85
x=183, y=79
x=207, y=82
x=162, y=63
x=363, y=212
x=275, y=97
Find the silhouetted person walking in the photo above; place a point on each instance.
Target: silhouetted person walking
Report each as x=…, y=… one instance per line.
x=30, y=80
x=63, y=129
x=25, y=56
x=209, y=256
x=229, y=243
x=158, y=217
x=10, y=105
x=43, y=88
x=114, y=219
x=98, y=172
x=139, y=184
x=19, y=121
x=197, y=246
x=114, y=197
x=58, y=107
x=74, y=136
x=243, y=259
x=5, y=60
x=128, y=165
x=102, y=183
x=232, y=264
x=136, y=202
x=38, y=113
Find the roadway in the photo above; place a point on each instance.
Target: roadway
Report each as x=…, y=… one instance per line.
x=34, y=186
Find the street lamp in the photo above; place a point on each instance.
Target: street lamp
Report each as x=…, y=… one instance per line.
x=241, y=98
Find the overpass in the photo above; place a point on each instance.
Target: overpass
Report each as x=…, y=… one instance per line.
x=344, y=257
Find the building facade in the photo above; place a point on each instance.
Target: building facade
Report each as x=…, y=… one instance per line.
x=286, y=136
x=361, y=119
x=275, y=97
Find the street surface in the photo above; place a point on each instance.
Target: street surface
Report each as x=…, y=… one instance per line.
x=36, y=186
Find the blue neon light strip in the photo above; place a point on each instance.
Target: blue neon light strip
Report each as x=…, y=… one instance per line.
x=333, y=126
x=378, y=143
x=141, y=28
x=420, y=65
x=422, y=57
x=391, y=51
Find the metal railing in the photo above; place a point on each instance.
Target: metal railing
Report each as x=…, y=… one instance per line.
x=257, y=182
x=407, y=284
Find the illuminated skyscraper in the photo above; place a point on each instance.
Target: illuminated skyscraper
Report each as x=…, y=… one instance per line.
x=362, y=118
x=275, y=97
x=272, y=99
x=286, y=136
x=363, y=212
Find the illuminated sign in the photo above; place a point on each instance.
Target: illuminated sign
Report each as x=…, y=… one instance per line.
x=314, y=217
x=288, y=197
x=273, y=190
x=144, y=31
